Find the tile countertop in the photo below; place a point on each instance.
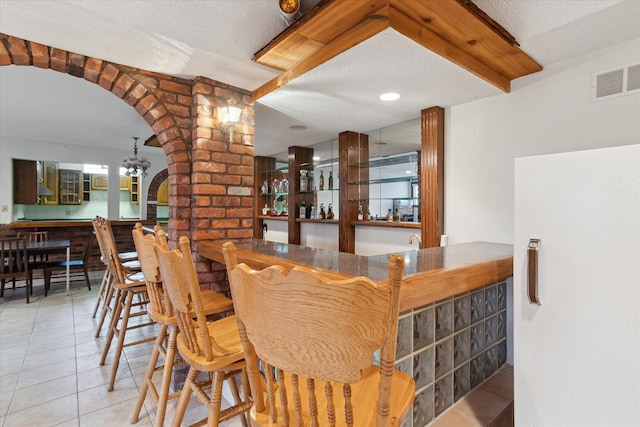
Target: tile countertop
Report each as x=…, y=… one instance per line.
x=430, y=274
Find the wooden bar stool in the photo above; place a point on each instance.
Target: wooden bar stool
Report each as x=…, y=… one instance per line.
x=313, y=339
x=212, y=347
x=130, y=300
x=129, y=263
x=160, y=311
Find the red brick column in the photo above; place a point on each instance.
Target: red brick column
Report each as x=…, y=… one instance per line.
x=222, y=179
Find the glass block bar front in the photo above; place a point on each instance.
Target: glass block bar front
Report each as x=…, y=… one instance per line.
x=451, y=346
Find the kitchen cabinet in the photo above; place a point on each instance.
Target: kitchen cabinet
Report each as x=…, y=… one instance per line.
x=134, y=189
x=70, y=190
x=26, y=177
x=29, y=185
x=50, y=181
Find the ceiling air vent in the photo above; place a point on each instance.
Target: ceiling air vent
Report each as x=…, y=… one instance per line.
x=617, y=82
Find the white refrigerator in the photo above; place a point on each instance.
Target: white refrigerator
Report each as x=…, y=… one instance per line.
x=577, y=350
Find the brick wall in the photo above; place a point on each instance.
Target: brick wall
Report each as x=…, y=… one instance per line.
x=210, y=179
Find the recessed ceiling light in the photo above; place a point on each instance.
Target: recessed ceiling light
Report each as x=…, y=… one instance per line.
x=316, y=158
x=297, y=127
x=407, y=172
x=389, y=96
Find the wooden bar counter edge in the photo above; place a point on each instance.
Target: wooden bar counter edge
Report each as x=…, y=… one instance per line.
x=431, y=274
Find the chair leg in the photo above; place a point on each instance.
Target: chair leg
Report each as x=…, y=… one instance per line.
x=106, y=303
x=47, y=280
x=233, y=385
x=148, y=376
x=121, y=326
x=28, y=288
x=101, y=292
x=126, y=310
x=184, y=397
x=86, y=277
x=215, y=399
x=113, y=324
x=169, y=361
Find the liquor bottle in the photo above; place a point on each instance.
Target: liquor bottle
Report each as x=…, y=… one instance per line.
x=312, y=214
x=396, y=216
x=389, y=216
x=369, y=218
x=330, y=212
x=331, y=180
x=303, y=211
x=304, y=181
x=265, y=210
x=309, y=209
x=321, y=184
x=323, y=214
x=360, y=213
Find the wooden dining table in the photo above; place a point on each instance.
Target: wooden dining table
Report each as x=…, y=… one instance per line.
x=50, y=247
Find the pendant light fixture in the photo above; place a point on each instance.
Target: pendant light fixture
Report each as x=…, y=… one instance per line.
x=135, y=164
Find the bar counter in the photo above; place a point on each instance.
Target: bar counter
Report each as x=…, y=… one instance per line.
x=430, y=274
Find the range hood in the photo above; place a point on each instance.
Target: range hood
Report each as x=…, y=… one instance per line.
x=44, y=191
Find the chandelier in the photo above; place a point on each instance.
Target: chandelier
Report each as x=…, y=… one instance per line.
x=135, y=164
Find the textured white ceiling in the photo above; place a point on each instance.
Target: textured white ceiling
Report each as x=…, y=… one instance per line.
x=217, y=39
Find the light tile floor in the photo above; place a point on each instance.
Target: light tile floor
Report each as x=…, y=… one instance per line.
x=49, y=365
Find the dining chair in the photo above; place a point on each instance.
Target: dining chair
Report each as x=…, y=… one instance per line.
x=14, y=263
x=39, y=261
x=313, y=341
x=74, y=265
x=129, y=302
x=161, y=311
x=212, y=347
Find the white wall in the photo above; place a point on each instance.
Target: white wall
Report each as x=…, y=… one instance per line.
x=57, y=152
x=549, y=112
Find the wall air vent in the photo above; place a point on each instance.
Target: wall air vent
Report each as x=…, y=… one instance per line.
x=616, y=82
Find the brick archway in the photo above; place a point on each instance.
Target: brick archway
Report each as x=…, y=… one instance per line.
x=210, y=178
x=164, y=102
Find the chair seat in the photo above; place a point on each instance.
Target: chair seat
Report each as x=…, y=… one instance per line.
x=225, y=333
x=214, y=302
x=63, y=264
x=135, y=277
x=127, y=256
x=364, y=396
x=131, y=265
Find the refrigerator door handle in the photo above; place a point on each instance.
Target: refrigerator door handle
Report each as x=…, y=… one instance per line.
x=532, y=273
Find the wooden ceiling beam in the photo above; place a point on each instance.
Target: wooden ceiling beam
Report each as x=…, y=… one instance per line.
x=435, y=43
x=454, y=29
x=367, y=28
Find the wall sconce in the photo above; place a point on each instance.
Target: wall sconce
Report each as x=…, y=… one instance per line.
x=229, y=116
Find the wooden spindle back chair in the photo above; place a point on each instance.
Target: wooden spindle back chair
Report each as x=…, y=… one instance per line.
x=212, y=347
x=129, y=301
x=14, y=263
x=161, y=311
x=313, y=341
